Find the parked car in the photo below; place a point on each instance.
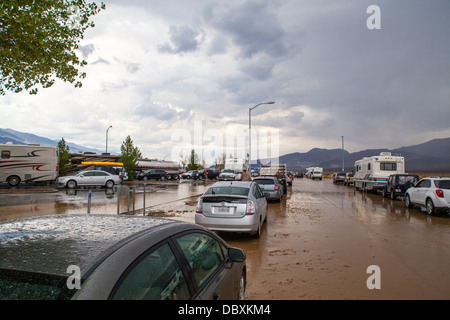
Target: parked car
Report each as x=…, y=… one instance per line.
x=211, y=173
x=271, y=187
x=339, y=177
x=192, y=174
x=398, y=184
x=153, y=174
x=89, y=178
x=349, y=179
x=227, y=174
x=289, y=178
x=116, y=257
x=431, y=192
x=233, y=207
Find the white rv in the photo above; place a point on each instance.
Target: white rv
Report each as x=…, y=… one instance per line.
x=372, y=173
x=28, y=163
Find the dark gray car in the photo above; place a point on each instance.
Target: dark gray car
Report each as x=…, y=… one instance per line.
x=271, y=186
x=116, y=257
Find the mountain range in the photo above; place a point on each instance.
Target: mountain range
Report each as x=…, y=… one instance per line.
x=430, y=157
x=17, y=137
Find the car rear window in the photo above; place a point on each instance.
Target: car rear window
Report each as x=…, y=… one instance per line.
x=231, y=190
x=442, y=184
x=224, y=199
x=264, y=181
x=21, y=285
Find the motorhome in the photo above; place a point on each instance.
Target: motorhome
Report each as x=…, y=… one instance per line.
x=372, y=173
x=317, y=173
x=28, y=163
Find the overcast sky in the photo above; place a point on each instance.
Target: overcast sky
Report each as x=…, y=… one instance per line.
x=158, y=66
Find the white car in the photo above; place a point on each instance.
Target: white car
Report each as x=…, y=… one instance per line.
x=431, y=192
x=227, y=174
x=89, y=178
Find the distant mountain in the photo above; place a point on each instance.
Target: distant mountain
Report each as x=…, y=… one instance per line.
x=17, y=137
x=431, y=156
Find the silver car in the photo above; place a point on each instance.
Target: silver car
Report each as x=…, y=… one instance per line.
x=233, y=207
x=89, y=178
x=271, y=186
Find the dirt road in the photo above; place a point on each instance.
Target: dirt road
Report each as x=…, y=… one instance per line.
x=317, y=244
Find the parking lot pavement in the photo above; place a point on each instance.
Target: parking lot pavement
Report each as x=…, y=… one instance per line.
x=318, y=243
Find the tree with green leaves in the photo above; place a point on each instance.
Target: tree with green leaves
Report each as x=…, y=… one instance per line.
x=129, y=156
x=193, y=162
x=64, y=156
x=38, y=40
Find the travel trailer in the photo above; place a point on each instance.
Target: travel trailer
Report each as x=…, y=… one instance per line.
x=28, y=163
x=372, y=173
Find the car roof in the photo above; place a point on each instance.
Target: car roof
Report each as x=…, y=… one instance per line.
x=243, y=184
x=49, y=244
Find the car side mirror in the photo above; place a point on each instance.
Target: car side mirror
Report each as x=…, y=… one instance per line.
x=236, y=255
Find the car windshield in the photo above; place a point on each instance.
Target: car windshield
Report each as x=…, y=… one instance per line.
x=442, y=184
x=21, y=285
x=264, y=181
x=405, y=179
x=231, y=190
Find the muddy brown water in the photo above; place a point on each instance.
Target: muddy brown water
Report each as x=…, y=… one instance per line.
x=317, y=243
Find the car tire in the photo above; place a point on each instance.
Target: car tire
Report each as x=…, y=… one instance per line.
x=257, y=235
x=393, y=197
x=145, y=178
x=71, y=184
x=109, y=184
x=408, y=202
x=430, y=206
x=162, y=178
x=13, y=181
x=241, y=293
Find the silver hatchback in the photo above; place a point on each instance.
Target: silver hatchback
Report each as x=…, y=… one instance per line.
x=233, y=207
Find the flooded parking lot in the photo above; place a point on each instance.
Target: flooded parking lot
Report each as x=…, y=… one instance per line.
x=317, y=243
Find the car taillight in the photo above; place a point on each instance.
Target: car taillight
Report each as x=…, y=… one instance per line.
x=276, y=187
x=56, y=168
x=440, y=193
x=250, y=207
x=199, y=208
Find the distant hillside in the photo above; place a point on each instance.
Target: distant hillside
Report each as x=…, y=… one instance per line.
x=431, y=156
x=17, y=137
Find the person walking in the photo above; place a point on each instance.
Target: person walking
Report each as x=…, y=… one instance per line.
x=245, y=176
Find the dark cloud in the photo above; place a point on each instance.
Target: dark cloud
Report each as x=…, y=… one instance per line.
x=182, y=39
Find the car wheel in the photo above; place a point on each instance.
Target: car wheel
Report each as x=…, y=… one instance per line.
x=162, y=178
x=242, y=288
x=257, y=235
x=430, y=207
x=393, y=195
x=109, y=184
x=408, y=202
x=72, y=184
x=13, y=181
x=145, y=178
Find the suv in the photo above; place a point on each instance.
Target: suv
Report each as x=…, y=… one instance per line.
x=211, y=174
x=339, y=177
x=432, y=192
x=398, y=184
x=155, y=174
x=191, y=174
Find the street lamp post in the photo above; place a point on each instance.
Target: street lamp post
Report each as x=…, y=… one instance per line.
x=107, y=138
x=250, y=131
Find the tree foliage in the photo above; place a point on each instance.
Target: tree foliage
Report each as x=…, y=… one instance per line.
x=38, y=39
x=193, y=162
x=129, y=156
x=64, y=156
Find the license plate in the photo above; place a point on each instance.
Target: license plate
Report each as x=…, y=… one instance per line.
x=223, y=210
x=267, y=194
